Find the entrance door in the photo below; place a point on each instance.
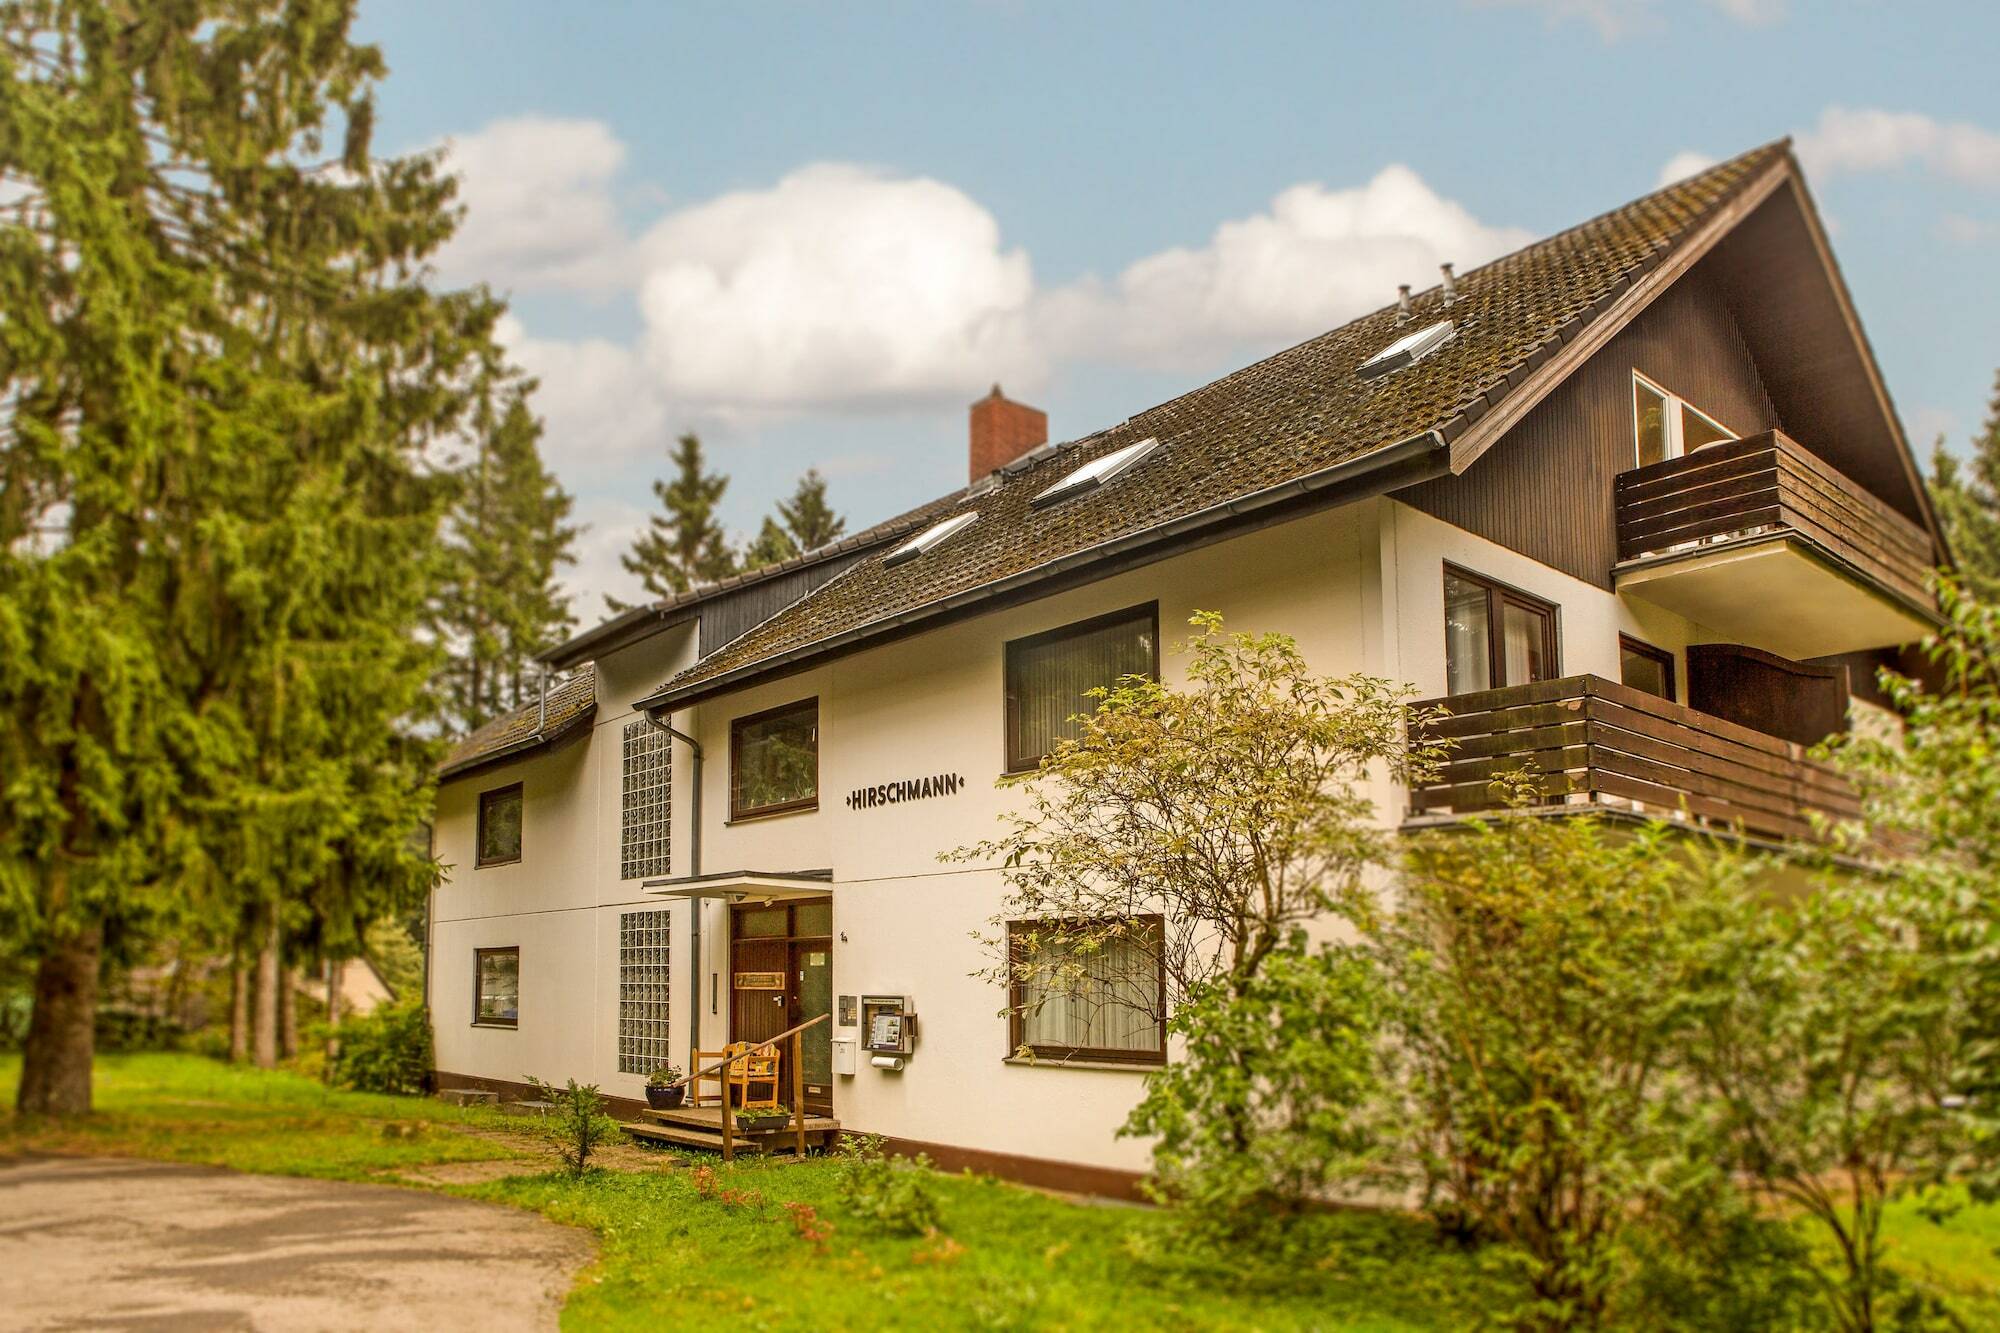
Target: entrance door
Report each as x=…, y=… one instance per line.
x=781, y=975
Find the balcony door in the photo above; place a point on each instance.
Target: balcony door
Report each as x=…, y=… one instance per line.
x=1665, y=425
x=781, y=975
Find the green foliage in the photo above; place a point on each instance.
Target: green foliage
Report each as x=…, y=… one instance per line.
x=507, y=537
x=1266, y=1107
x=577, y=1125
x=388, y=1050
x=1966, y=497
x=803, y=523
x=665, y=1076
x=889, y=1197
x=1537, y=973
x=684, y=544
x=398, y=959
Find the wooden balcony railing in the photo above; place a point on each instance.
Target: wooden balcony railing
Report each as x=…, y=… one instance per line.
x=1595, y=743
x=1768, y=484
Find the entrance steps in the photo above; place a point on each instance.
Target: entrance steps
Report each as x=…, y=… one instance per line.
x=701, y=1127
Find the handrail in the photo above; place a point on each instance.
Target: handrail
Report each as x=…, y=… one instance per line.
x=729, y=1060
x=727, y=1120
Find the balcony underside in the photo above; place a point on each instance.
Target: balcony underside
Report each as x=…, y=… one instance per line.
x=1776, y=591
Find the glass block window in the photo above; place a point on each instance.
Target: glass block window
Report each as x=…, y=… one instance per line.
x=642, y=992
x=649, y=783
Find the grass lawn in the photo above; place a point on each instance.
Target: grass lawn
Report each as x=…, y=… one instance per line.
x=1007, y=1257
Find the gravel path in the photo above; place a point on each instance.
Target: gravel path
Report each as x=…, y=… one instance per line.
x=125, y=1244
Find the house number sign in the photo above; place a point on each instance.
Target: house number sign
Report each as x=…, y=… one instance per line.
x=909, y=789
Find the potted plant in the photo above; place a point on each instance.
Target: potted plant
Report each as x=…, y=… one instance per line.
x=664, y=1089
x=763, y=1119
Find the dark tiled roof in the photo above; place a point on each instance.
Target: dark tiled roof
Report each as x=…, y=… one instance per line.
x=1290, y=416
x=570, y=706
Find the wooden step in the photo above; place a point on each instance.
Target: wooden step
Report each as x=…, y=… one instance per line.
x=701, y=1127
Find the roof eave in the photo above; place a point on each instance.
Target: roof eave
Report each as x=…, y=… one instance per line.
x=515, y=749
x=1391, y=467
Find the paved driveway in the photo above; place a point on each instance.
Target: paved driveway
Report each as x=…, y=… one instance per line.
x=111, y=1243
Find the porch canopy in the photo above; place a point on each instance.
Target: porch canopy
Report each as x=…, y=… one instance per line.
x=743, y=885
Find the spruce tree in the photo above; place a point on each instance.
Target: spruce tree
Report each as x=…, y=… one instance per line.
x=509, y=535
x=219, y=386
x=1966, y=497
x=684, y=544
x=803, y=523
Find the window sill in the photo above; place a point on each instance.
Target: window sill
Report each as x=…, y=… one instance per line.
x=489, y=865
x=1108, y=1066
x=498, y=1027
x=758, y=816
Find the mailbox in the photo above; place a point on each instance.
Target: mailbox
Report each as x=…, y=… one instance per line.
x=888, y=1026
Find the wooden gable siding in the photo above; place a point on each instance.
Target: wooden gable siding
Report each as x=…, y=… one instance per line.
x=735, y=613
x=1545, y=488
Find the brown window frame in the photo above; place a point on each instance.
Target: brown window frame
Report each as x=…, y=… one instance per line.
x=1017, y=999
x=1640, y=648
x=478, y=976
x=480, y=860
x=1012, y=764
x=1498, y=596
x=736, y=728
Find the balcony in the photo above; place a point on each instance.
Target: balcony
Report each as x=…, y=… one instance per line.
x=1596, y=744
x=1760, y=542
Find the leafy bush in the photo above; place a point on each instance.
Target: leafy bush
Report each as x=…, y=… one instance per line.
x=576, y=1125
x=878, y=1191
x=1268, y=1107
x=388, y=1050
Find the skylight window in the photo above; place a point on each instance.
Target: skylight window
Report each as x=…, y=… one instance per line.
x=1406, y=350
x=929, y=537
x=1097, y=471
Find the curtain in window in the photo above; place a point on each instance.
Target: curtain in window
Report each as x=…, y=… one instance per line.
x=1048, y=682
x=1109, y=1004
x=1525, y=645
x=1467, y=636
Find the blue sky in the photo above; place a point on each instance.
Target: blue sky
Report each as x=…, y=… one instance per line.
x=815, y=233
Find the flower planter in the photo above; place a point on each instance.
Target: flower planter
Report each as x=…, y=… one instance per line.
x=761, y=1122
x=666, y=1099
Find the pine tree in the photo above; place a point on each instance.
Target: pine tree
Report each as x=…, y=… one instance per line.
x=219, y=383
x=509, y=535
x=684, y=544
x=803, y=523
x=1966, y=497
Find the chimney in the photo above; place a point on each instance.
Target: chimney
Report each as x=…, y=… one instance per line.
x=1003, y=430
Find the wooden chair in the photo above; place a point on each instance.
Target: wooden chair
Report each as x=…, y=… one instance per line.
x=757, y=1065
x=702, y=1074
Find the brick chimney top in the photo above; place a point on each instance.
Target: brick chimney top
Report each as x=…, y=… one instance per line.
x=1003, y=430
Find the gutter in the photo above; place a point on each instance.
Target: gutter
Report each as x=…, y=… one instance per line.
x=694, y=871
x=1428, y=449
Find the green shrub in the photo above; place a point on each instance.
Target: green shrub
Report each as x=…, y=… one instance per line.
x=881, y=1193
x=576, y=1125
x=388, y=1050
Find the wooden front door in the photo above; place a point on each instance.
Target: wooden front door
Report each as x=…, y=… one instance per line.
x=780, y=975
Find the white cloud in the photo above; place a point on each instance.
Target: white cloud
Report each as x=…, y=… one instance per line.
x=609, y=528
x=838, y=286
x=1682, y=165
x=1962, y=230
x=1856, y=139
x=1316, y=258
x=1617, y=19
x=540, y=212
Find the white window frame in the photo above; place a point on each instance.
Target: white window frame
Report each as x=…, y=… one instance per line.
x=1676, y=444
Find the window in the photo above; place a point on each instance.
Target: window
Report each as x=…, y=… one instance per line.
x=648, y=795
x=642, y=992
x=1049, y=677
x=928, y=538
x=1644, y=667
x=1097, y=472
x=774, y=761
x=1493, y=635
x=1665, y=426
x=500, y=826
x=496, y=995
x=1105, y=1000
x=1409, y=348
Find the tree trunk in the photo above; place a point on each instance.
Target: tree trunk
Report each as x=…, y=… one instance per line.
x=288, y=1011
x=62, y=1034
x=266, y=1033
x=335, y=969
x=239, y=1007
